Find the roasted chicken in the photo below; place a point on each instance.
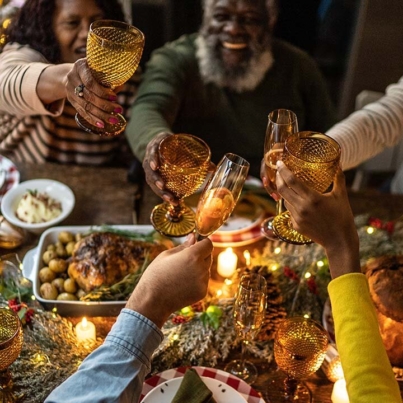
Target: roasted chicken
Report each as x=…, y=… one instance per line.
x=104, y=258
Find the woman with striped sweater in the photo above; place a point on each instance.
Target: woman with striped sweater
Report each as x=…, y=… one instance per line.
x=41, y=65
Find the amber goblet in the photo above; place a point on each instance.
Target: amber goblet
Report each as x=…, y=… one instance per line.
x=314, y=158
x=114, y=50
x=184, y=163
x=300, y=347
x=11, y=339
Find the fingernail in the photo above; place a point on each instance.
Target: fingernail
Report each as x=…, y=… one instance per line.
x=153, y=165
x=166, y=198
x=159, y=185
x=112, y=98
x=118, y=110
x=274, y=196
x=113, y=120
x=100, y=124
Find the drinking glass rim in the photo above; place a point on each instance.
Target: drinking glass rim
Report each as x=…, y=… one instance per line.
x=175, y=166
x=6, y=343
x=234, y=157
x=122, y=24
x=295, y=118
x=336, y=145
x=257, y=276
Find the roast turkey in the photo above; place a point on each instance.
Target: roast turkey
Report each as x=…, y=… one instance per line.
x=104, y=258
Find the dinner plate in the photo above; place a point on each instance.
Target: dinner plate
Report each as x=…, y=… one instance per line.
x=246, y=391
x=9, y=176
x=222, y=393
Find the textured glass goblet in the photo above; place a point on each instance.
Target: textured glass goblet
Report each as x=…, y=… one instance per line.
x=300, y=347
x=11, y=339
x=314, y=158
x=281, y=124
x=114, y=51
x=184, y=163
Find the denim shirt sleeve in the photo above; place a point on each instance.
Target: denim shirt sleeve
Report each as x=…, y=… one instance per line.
x=115, y=371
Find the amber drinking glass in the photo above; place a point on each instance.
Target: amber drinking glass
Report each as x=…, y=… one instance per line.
x=281, y=124
x=11, y=339
x=300, y=347
x=314, y=158
x=184, y=163
x=249, y=315
x=114, y=51
x=221, y=194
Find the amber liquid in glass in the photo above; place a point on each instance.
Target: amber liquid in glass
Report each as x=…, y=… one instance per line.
x=214, y=208
x=270, y=159
x=113, y=55
x=249, y=319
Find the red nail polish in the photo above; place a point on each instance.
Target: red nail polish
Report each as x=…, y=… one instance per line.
x=100, y=124
x=112, y=97
x=118, y=110
x=113, y=120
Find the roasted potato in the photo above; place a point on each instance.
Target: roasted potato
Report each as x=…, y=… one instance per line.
x=48, y=291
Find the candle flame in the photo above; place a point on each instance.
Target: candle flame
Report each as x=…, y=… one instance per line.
x=246, y=255
x=84, y=322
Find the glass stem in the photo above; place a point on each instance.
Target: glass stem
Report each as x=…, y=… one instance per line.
x=243, y=354
x=280, y=207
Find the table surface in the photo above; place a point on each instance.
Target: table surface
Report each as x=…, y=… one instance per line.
x=105, y=196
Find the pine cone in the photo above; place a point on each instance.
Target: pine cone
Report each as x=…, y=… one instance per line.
x=275, y=311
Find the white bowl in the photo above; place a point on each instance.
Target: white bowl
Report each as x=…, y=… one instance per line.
x=54, y=189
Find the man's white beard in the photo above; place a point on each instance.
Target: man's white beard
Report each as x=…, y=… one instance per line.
x=244, y=78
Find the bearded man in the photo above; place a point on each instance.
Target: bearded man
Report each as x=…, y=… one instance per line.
x=221, y=83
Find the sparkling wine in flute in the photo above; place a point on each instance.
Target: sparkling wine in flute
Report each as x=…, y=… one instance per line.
x=216, y=206
x=221, y=194
x=249, y=320
x=270, y=159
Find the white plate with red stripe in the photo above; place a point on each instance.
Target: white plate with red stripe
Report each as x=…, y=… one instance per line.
x=222, y=393
x=245, y=391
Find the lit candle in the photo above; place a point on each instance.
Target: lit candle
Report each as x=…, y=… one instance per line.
x=246, y=255
x=339, y=394
x=85, y=330
x=227, y=263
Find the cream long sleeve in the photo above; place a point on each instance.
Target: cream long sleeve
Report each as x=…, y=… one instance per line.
x=366, y=366
x=370, y=130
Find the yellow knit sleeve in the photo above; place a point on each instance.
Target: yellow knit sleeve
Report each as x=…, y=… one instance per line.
x=366, y=366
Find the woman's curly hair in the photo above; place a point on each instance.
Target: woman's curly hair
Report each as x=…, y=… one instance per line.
x=32, y=25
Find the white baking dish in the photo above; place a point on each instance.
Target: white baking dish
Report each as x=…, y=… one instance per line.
x=32, y=263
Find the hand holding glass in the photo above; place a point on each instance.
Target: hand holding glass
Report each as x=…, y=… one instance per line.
x=114, y=51
x=249, y=315
x=184, y=162
x=314, y=158
x=282, y=123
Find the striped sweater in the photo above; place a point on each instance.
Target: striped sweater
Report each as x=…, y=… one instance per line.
x=33, y=132
x=370, y=130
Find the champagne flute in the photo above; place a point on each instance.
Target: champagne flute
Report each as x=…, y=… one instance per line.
x=184, y=163
x=114, y=50
x=221, y=194
x=11, y=339
x=282, y=123
x=249, y=315
x=300, y=347
x=314, y=158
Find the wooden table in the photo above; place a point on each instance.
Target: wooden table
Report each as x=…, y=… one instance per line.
x=104, y=196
